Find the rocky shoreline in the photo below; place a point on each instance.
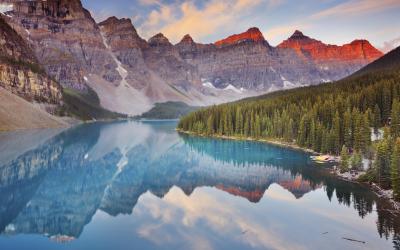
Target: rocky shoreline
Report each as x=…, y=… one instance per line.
x=381, y=193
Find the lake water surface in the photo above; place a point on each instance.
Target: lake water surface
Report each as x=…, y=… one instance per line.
x=131, y=185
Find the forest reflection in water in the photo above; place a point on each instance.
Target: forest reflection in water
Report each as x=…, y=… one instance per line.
x=65, y=184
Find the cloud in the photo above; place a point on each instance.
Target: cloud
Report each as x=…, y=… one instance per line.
x=275, y=3
x=357, y=7
x=390, y=45
x=177, y=19
x=211, y=212
x=149, y=2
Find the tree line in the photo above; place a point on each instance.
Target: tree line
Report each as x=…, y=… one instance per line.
x=335, y=118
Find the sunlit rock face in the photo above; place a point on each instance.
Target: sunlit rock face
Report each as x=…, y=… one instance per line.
x=20, y=72
x=248, y=66
x=247, y=61
x=336, y=61
x=252, y=34
x=66, y=40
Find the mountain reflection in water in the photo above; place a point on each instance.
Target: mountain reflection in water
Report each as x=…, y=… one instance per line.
x=57, y=183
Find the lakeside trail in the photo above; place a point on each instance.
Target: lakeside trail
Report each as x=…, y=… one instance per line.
x=347, y=176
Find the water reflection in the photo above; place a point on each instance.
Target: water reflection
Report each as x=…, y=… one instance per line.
x=62, y=182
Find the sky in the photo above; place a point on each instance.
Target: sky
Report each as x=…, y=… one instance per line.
x=331, y=21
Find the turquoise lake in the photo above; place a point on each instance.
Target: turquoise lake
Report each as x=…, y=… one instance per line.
x=141, y=185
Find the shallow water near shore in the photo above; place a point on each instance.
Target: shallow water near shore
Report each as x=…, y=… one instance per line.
x=141, y=185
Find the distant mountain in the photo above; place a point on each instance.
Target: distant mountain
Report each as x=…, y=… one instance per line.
x=251, y=35
x=336, y=61
x=358, y=50
x=130, y=74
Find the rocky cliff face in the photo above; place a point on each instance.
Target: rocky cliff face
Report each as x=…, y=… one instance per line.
x=246, y=62
x=251, y=35
x=335, y=61
x=20, y=72
x=151, y=71
x=66, y=40
x=130, y=74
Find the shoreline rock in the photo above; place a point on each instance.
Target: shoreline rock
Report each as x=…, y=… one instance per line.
x=381, y=193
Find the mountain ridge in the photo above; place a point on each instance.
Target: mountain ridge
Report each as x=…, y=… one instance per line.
x=111, y=58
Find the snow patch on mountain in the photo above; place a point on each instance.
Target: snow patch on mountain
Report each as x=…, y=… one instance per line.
x=207, y=84
x=234, y=89
x=326, y=68
x=230, y=87
x=272, y=88
x=4, y=7
x=288, y=84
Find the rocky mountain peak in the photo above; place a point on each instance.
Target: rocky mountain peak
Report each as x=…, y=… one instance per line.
x=114, y=22
x=298, y=35
x=319, y=51
x=252, y=34
x=300, y=42
x=111, y=19
x=121, y=33
x=187, y=39
x=65, y=9
x=159, y=40
x=363, y=49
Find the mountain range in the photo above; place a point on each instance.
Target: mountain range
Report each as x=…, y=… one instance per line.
x=130, y=74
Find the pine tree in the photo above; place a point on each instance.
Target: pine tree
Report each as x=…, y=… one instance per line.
x=257, y=127
x=386, y=104
x=337, y=136
x=344, y=159
x=347, y=128
x=246, y=128
x=358, y=133
x=239, y=121
x=210, y=125
x=366, y=133
x=377, y=118
x=395, y=122
x=356, y=161
x=395, y=170
x=382, y=164
x=302, y=134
